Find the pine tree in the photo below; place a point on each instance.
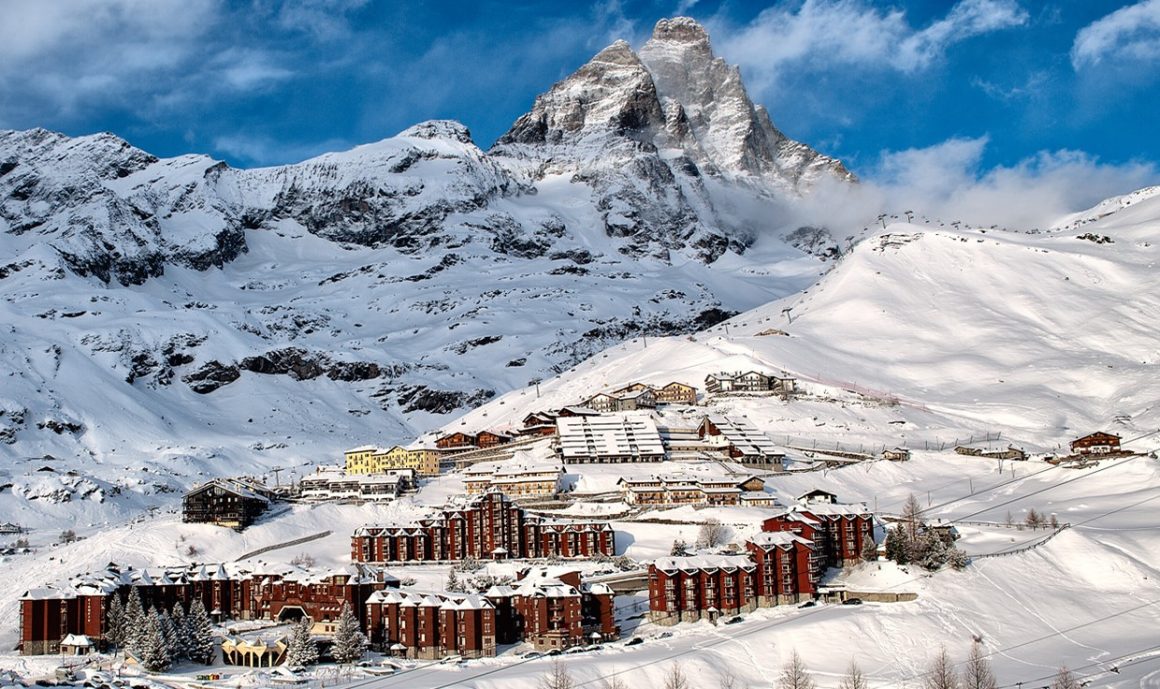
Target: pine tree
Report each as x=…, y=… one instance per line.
x=794, y=674
x=869, y=549
x=898, y=545
x=930, y=551
x=679, y=549
x=202, y=648
x=349, y=642
x=957, y=558
x=854, y=678
x=942, y=673
x=1033, y=520
x=301, y=649
x=133, y=623
x=168, y=633
x=154, y=654
x=453, y=584
x=180, y=650
x=978, y=674
x=115, y=621
x=1065, y=680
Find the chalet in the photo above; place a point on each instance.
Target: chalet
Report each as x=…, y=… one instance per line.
x=623, y=400
x=741, y=441
x=817, y=495
x=750, y=381
x=1098, y=443
x=457, y=442
x=226, y=502
x=487, y=439
x=608, y=440
x=541, y=423
x=676, y=393
x=631, y=389
x=897, y=454
x=76, y=645
x=753, y=498
x=573, y=411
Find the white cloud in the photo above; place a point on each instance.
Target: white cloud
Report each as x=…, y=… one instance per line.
x=856, y=33
x=263, y=150
x=947, y=181
x=1129, y=33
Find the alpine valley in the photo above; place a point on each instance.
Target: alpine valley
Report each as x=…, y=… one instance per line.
x=164, y=322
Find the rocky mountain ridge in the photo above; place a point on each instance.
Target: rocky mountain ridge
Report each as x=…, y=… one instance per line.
x=362, y=296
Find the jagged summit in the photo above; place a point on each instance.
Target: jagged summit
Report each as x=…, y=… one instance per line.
x=672, y=94
x=681, y=30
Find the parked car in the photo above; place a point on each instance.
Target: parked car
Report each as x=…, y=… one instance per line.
x=734, y=620
x=634, y=641
x=532, y=655
x=808, y=604
x=852, y=601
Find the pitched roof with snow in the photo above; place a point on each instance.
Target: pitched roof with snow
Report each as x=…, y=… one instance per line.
x=743, y=436
x=691, y=563
x=608, y=436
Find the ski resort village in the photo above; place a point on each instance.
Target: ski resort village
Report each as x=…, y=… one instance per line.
x=644, y=394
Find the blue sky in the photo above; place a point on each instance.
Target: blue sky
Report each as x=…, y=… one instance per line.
x=1003, y=84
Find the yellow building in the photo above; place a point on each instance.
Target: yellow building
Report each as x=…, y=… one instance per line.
x=359, y=460
x=372, y=460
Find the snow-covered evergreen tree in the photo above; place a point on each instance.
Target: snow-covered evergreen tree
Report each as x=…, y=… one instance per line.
x=898, y=545
x=154, y=654
x=169, y=633
x=869, y=549
x=180, y=650
x=133, y=623
x=349, y=642
x=115, y=621
x=453, y=584
x=301, y=649
x=202, y=647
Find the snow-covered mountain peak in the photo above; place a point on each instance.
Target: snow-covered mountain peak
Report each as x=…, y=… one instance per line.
x=725, y=131
x=439, y=129
x=683, y=30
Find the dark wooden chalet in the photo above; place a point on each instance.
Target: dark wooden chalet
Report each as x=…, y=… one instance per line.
x=1098, y=443
x=225, y=502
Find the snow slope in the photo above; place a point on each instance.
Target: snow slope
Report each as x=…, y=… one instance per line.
x=922, y=336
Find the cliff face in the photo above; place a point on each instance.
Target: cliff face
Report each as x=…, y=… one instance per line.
x=652, y=136
x=388, y=285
